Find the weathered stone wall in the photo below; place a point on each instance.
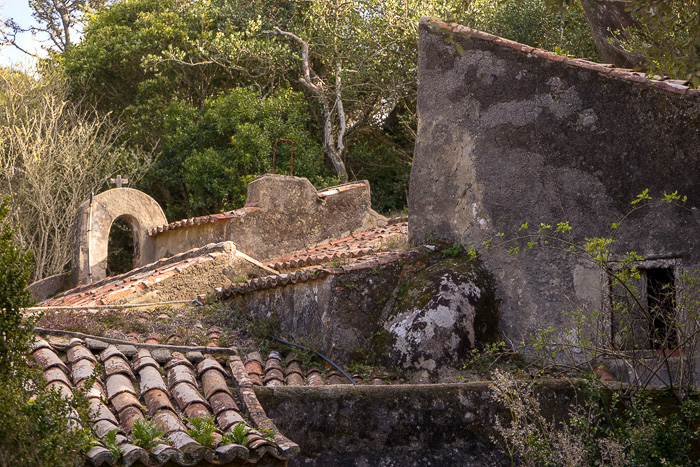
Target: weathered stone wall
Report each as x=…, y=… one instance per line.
x=421, y=312
x=398, y=426
x=508, y=134
x=289, y=215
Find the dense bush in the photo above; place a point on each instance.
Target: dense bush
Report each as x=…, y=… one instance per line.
x=209, y=155
x=37, y=426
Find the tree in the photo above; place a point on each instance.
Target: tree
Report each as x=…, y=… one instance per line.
x=666, y=34
x=58, y=21
x=658, y=36
x=52, y=156
x=214, y=152
x=548, y=24
x=138, y=56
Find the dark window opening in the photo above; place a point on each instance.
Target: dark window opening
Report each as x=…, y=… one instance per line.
x=661, y=306
x=643, y=309
x=121, y=249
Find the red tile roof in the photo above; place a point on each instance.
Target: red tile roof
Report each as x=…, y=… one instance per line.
x=139, y=381
x=660, y=82
x=208, y=219
x=114, y=288
x=360, y=251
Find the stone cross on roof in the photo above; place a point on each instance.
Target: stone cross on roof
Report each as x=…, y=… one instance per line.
x=119, y=181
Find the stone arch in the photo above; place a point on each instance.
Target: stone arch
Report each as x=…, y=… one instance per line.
x=94, y=221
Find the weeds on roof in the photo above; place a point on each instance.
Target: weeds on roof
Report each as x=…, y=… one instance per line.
x=146, y=434
x=110, y=442
x=238, y=435
x=202, y=430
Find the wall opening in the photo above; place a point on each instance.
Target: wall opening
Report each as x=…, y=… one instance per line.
x=122, y=247
x=643, y=309
x=661, y=306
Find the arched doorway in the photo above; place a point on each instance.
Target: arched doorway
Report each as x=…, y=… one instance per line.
x=122, y=246
x=93, y=223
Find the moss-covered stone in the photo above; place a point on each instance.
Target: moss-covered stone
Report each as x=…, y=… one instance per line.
x=440, y=313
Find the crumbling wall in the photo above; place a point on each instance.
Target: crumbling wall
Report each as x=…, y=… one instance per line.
x=283, y=214
x=509, y=134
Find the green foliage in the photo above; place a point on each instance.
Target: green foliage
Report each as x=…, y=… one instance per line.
x=37, y=426
x=146, y=434
x=269, y=435
x=209, y=155
x=607, y=429
x=202, y=430
x=237, y=435
x=634, y=332
x=667, y=37
x=495, y=355
x=110, y=442
x=453, y=250
x=15, y=329
x=562, y=27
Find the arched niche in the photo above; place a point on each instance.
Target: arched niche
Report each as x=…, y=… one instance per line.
x=94, y=221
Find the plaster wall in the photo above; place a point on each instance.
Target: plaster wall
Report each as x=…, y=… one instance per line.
x=93, y=222
x=508, y=134
x=290, y=216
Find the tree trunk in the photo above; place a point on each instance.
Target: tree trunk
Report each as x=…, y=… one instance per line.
x=608, y=21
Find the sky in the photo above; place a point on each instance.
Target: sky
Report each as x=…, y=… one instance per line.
x=20, y=11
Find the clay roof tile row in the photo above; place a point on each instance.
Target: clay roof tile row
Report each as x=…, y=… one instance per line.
x=208, y=219
x=134, y=389
x=358, y=251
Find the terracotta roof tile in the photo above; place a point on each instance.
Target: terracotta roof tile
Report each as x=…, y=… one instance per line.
x=119, y=405
x=212, y=382
x=209, y=219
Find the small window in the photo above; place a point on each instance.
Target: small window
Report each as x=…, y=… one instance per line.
x=644, y=308
x=661, y=305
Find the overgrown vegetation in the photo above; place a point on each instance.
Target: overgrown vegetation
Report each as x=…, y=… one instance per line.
x=646, y=330
x=202, y=430
x=540, y=23
x=37, y=425
x=53, y=154
x=146, y=434
x=237, y=435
